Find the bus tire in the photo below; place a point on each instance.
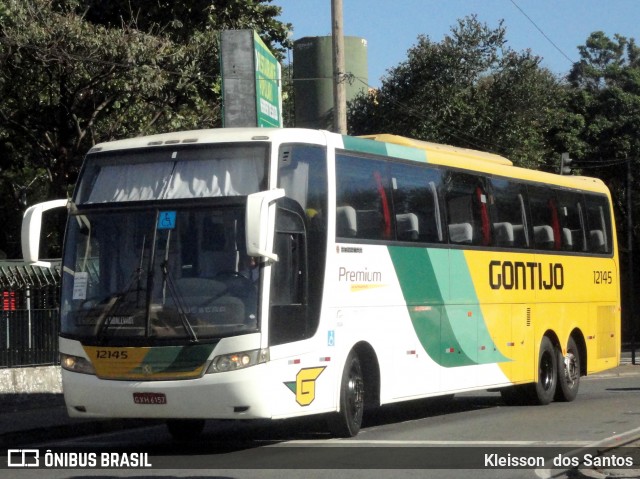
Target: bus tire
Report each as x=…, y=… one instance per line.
x=544, y=389
x=568, y=373
x=185, y=429
x=347, y=422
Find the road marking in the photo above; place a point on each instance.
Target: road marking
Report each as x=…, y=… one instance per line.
x=406, y=443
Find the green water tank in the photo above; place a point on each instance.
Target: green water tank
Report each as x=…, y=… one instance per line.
x=312, y=78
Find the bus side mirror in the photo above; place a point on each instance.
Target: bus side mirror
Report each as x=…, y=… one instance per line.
x=31, y=228
x=260, y=223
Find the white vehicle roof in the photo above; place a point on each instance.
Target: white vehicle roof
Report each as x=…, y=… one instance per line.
x=219, y=135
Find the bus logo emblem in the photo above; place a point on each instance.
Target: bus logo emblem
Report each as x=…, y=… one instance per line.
x=304, y=387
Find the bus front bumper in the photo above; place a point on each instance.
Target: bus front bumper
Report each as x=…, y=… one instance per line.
x=241, y=394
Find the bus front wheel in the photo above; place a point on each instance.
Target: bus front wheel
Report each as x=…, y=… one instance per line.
x=568, y=373
x=544, y=389
x=347, y=422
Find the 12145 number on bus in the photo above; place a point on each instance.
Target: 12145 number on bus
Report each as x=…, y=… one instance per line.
x=602, y=277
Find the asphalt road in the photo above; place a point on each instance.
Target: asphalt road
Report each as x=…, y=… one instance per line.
x=428, y=438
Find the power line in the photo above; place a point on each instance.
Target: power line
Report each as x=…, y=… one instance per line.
x=543, y=34
x=588, y=164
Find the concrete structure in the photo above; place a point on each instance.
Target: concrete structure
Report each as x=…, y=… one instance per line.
x=35, y=380
x=313, y=75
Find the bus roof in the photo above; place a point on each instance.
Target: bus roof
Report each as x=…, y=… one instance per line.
x=490, y=163
x=435, y=153
x=216, y=135
x=440, y=151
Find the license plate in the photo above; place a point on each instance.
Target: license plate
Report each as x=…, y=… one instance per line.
x=149, y=398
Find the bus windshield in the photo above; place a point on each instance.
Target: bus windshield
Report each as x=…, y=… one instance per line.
x=155, y=245
x=179, y=172
x=155, y=274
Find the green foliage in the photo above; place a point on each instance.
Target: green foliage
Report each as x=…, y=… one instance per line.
x=179, y=20
x=469, y=90
x=605, y=99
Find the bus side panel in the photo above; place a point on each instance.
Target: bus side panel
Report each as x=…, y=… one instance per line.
x=364, y=296
x=580, y=293
x=447, y=319
x=604, y=346
x=490, y=291
x=303, y=375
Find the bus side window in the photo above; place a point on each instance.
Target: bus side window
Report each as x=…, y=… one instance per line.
x=467, y=210
x=415, y=202
x=544, y=218
x=302, y=172
x=572, y=221
x=363, y=199
x=509, y=218
x=598, y=224
x=289, y=300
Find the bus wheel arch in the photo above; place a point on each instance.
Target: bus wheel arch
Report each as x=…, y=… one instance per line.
x=371, y=374
x=581, y=343
x=359, y=389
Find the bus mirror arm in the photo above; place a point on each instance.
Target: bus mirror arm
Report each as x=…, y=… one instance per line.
x=260, y=223
x=31, y=228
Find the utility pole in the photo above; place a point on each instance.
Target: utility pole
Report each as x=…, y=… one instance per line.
x=339, y=87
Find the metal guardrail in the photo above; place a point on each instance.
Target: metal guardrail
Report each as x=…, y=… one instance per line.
x=29, y=314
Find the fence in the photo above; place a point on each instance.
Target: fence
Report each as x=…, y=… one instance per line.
x=29, y=314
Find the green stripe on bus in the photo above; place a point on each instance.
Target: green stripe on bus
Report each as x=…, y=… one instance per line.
x=445, y=332
x=406, y=153
x=421, y=290
x=465, y=292
x=364, y=145
x=176, y=358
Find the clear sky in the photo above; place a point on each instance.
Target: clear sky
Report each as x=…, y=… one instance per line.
x=391, y=27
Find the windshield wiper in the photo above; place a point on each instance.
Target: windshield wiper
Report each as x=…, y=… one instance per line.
x=177, y=298
x=167, y=280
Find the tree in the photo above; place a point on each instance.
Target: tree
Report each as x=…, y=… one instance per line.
x=67, y=82
x=179, y=20
x=469, y=90
x=605, y=97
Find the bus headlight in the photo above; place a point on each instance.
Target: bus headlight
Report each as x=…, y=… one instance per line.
x=235, y=361
x=76, y=364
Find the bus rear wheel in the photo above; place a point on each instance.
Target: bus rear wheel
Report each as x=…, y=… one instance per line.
x=185, y=429
x=347, y=422
x=543, y=390
x=568, y=373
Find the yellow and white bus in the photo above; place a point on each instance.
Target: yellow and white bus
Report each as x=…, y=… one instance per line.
x=275, y=273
